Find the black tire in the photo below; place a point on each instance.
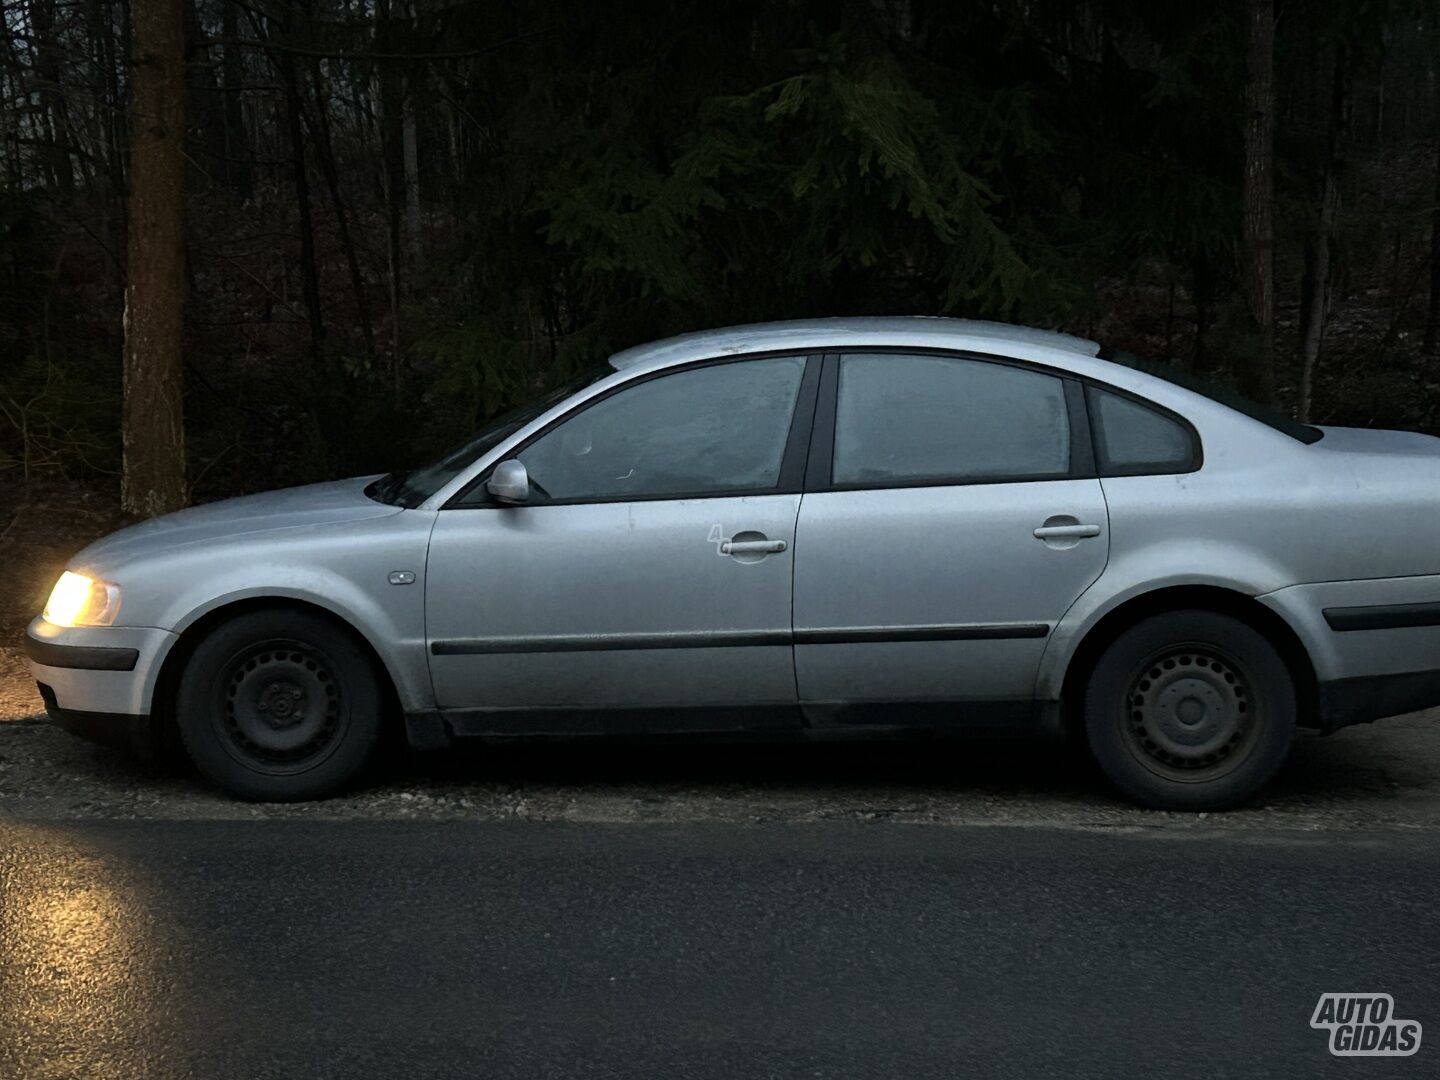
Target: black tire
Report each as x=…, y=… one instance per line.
x=279, y=705
x=1190, y=710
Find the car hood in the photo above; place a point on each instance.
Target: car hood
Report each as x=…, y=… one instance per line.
x=1374, y=441
x=314, y=504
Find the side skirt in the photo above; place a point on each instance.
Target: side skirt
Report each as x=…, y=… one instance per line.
x=817, y=722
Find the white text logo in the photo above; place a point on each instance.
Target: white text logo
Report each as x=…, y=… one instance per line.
x=1365, y=1025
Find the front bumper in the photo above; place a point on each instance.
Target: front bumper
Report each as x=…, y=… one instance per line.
x=97, y=669
x=137, y=733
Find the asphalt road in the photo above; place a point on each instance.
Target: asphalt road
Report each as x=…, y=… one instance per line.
x=322, y=948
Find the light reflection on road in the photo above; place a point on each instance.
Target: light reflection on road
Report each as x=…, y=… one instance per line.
x=72, y=961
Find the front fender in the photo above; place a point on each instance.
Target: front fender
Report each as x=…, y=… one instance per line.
x=344, y=572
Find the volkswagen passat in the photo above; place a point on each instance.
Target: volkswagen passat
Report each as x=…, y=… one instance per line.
x=807, y=529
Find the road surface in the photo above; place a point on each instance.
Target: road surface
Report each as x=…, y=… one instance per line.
x=379, y=948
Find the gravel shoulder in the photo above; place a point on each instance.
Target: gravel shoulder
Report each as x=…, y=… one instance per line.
x=1378, y=776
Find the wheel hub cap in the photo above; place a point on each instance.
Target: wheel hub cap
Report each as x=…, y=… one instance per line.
x=1188, y=710
x=282, y=704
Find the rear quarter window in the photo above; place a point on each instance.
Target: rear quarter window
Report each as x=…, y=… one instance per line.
x=1133, y=438
x=1217, y=392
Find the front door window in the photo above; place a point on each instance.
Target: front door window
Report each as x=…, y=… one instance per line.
x=718, y=429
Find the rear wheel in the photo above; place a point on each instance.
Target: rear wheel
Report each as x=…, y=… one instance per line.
x=279, y=705
x=1190, y=710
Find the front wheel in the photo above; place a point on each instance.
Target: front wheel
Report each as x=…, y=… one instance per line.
x=1190, y=710
x=279, y=705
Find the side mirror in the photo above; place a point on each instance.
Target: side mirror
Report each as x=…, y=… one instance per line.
x=509, y=483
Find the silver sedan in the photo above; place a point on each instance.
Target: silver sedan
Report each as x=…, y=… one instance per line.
x=800, y=530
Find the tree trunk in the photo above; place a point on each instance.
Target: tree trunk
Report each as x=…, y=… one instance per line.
x=52, y=98
x=1320, y=245
x=152, y=424
x=410, y=140
x=1432, y=319
x=1257, y=249
x=238, y=175
x=117, y=129
x=392, y=159
x=309, y=272
x=206, y=107
x=325, y=153
x=1202, y=290
x=102, y=58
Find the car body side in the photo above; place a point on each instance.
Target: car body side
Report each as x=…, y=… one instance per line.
x=1266, y=523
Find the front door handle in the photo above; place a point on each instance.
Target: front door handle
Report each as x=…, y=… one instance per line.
x=751, y=547
x=1066, y=532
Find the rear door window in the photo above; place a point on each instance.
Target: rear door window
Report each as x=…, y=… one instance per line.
x=916, y=419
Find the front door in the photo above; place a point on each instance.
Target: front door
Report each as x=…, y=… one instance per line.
x=950, y=530
x=646, y=584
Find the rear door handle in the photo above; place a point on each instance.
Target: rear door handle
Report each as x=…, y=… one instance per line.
x=1066, y=532
x=751, y=547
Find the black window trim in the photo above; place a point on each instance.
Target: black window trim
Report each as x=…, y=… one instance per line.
x=798, y=443
x=1197, y=445
x=819, y=476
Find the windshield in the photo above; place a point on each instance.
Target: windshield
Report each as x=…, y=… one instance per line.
x=411, y=487
x=1217, y=392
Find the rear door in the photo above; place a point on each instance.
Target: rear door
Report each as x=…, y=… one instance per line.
x=951, y=516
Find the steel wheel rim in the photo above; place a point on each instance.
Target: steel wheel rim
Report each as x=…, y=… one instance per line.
x=1190, y=713
x=282, y=709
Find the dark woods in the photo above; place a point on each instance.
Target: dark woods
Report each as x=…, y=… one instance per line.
x=386, y=220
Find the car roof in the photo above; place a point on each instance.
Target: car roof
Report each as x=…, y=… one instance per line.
x=818, y=334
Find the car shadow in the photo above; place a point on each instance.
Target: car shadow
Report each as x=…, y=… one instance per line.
x=1335, y=769
x=816, y=779
x=988, y=763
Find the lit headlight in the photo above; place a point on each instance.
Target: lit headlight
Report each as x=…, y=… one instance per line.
x=77, y=600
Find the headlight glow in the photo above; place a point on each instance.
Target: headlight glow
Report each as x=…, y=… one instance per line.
x=77, y=600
